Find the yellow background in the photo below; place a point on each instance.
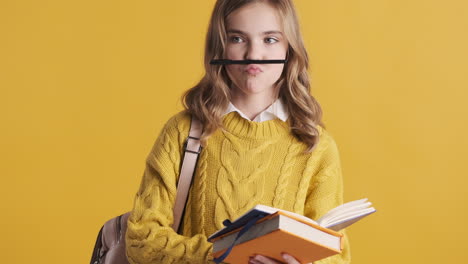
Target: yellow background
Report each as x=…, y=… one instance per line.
x=87, y=85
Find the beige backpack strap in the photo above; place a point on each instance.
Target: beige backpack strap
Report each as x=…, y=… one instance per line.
x=192, y=149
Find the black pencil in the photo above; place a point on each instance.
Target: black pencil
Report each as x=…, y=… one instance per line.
x=224, y=61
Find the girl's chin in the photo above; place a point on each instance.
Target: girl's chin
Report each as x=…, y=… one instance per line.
x=254, y=89
x=255, y=85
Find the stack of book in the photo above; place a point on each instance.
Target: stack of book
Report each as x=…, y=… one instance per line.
x=278, y=231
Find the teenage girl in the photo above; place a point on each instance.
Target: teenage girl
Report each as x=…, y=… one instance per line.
x=263, y=140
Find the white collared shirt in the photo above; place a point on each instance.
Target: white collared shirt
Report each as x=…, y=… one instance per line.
x=275, y=110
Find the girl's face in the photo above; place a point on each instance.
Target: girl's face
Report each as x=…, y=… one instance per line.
x=254, y=32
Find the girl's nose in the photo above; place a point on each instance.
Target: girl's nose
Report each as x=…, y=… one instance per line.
x=254, y=51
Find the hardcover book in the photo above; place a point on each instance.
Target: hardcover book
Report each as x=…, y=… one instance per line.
x=274, y=231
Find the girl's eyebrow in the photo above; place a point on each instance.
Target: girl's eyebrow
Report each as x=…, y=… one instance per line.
x=264, y=33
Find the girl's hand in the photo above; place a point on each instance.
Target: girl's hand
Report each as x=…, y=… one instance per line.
x=259, y=259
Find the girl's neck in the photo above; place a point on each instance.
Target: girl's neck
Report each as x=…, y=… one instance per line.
x=252, y=105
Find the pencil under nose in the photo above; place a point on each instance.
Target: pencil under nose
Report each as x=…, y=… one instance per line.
x=225, y=61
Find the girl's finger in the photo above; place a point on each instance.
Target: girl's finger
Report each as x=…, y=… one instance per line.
x=290, y=259
x=254, y=261
x=265, y=260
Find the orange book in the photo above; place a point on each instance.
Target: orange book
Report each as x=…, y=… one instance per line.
x=278, y=231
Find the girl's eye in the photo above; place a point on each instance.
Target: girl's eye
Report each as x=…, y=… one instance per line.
x=271, y=40
x=236, y=39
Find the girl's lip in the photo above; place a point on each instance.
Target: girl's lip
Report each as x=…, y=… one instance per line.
x=253, y=68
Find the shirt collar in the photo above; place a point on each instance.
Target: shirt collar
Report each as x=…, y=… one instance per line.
x=275, y=110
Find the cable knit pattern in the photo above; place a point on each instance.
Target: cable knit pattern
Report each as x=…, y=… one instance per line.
x=245, y=164
x=285, y=173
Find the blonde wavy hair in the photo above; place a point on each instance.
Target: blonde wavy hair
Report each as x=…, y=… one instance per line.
x=208, y=100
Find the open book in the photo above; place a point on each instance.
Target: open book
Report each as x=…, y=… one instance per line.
x=274, y=231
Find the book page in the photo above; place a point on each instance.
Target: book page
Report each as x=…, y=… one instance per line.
x=347, y=216
x=346, y=211
x=298, y=216
x=340, y=225
x=359, y=204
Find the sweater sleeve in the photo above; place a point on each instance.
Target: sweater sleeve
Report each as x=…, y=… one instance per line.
x=326, y=192
x=149, y=236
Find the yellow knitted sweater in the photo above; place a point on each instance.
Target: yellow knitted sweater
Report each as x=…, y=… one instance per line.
x=249, y=163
